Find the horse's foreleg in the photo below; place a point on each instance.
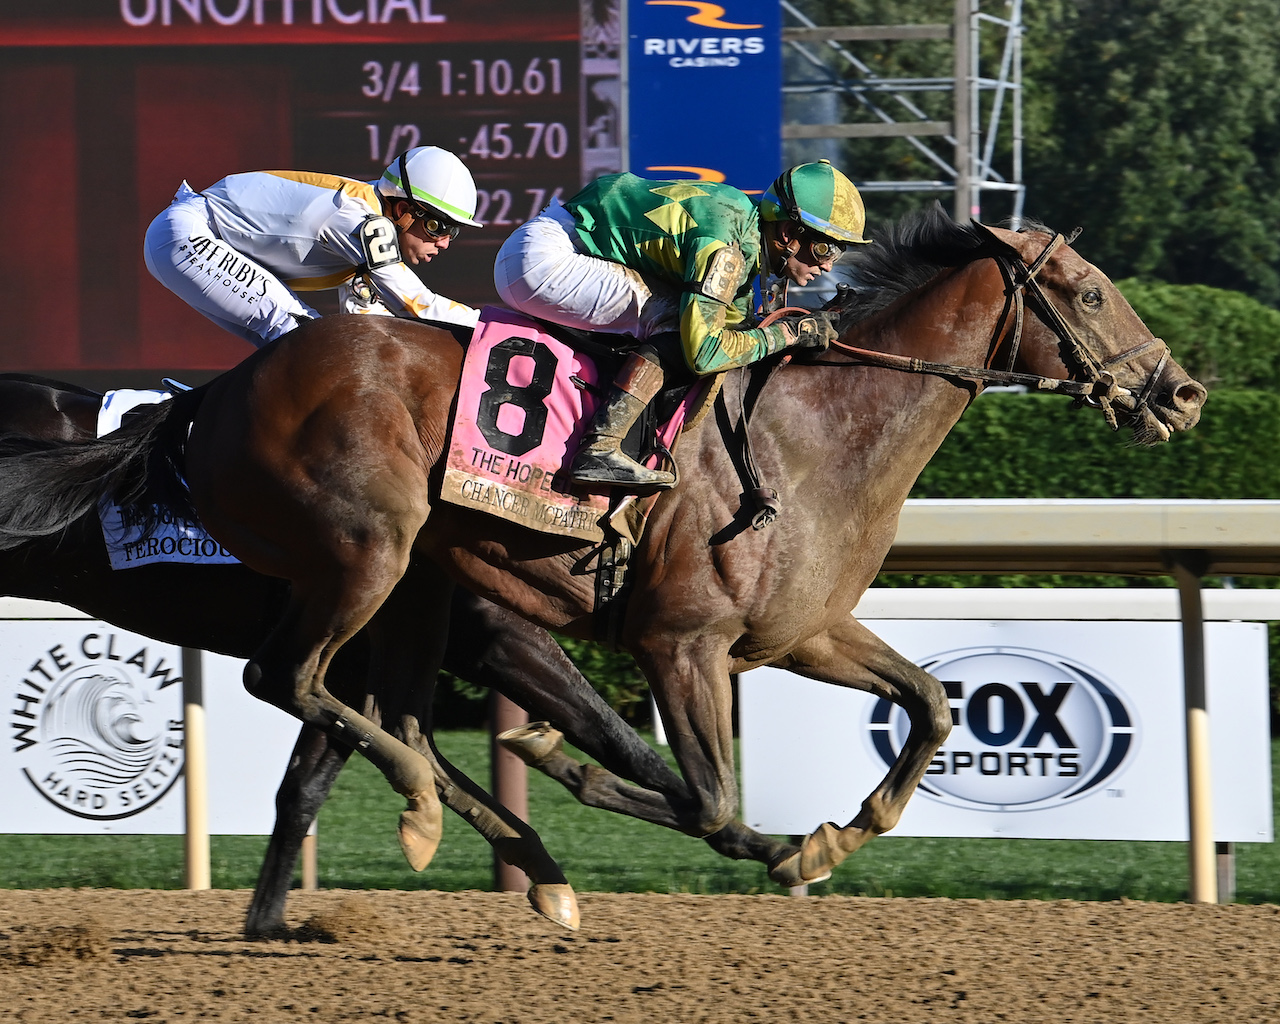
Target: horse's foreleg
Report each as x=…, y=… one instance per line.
x=691, y=687
x=851, y=655
x=313, y=767
x=402, y=682
x=494, y=647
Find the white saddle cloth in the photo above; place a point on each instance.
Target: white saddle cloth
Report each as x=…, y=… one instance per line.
x=173, y=540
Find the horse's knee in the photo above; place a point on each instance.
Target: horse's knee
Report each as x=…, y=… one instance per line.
x=937, y=718
x=714, y=813
x=878, y=815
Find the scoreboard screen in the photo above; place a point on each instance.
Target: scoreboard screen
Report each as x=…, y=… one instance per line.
x=107, y=106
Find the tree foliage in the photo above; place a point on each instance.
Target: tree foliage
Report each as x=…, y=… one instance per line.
x=1222, y=338
x=1156, y=130
x=1150, y=123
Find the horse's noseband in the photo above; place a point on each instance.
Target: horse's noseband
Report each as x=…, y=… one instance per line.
x=1020, y=278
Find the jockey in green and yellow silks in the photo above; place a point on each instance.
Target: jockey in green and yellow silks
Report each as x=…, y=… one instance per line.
x=637, y=257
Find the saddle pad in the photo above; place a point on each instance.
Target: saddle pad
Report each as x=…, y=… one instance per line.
x=522, y=406
x=173, y=540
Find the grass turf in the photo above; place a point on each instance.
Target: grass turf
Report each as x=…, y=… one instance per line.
x=607, y=852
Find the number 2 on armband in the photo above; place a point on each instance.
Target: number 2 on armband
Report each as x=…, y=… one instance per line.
x=378, y=238
x=530, y=398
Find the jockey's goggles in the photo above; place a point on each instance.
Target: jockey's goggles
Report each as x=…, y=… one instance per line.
x=435, y=225
x=823, y=249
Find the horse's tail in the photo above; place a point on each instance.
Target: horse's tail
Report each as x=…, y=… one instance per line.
x=46, y=486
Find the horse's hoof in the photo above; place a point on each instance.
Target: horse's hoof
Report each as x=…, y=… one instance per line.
x=789, y=872
x=421, y=827
x=556, y=902
x=534, y=743
x=267, y=932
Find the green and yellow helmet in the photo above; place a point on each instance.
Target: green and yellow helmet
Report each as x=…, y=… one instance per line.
x=819, y=197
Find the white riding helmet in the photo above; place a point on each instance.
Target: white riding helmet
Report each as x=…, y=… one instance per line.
x=436, y=178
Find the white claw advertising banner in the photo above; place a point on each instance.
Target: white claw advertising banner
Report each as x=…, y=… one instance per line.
x=94, y=737
x=1060, y=730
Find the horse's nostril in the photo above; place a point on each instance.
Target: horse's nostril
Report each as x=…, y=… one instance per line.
x=1190, y=394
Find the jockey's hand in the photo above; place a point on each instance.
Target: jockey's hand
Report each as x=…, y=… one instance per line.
x=811, y=330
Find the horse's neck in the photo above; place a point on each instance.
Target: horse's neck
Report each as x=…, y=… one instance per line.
x=889, y=423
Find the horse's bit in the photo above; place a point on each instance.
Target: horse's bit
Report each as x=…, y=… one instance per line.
x=1097, y=389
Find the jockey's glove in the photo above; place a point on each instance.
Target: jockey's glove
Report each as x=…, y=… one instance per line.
x=811, y=330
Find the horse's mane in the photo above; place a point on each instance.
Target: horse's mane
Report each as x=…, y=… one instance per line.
x=907, y=254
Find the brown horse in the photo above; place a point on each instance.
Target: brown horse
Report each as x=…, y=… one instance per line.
x=319, y=458
x=231, y=609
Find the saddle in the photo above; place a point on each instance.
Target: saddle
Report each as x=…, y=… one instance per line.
x=527, y=391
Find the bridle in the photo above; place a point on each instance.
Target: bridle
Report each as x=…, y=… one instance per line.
x=1097, y=388
x=1094, y=383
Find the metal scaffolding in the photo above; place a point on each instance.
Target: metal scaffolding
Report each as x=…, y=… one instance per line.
x=971, y=169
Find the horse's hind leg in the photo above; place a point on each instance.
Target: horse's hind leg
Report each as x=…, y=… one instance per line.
x=313, y=767
x=851, y=655
x=406, y=674
x=289, y=671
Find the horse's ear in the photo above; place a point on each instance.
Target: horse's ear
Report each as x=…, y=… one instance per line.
x=986, y=234
x=990, y=239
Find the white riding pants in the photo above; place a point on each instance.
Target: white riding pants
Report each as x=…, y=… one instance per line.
x=184, y=253
x=540, y=271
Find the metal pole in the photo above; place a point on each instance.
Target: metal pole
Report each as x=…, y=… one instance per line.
x=803, y=888
x=510, y=784
x=974, y=126
x=310, y=858
x=1188, y=567
x=1226, y=872
x=195, y=772
x=961, y=114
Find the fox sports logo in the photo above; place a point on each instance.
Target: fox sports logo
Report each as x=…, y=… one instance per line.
x=1030, y=730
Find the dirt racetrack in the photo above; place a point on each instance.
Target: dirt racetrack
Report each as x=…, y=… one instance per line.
x=94, y=955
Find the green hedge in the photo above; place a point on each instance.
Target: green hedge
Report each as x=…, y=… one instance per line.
x=1042, y=446
x=1223, y=338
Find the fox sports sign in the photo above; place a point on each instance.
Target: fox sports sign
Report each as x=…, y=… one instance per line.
x=1030, y=729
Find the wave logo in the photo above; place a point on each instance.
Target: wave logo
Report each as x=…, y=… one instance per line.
x=104, y=744
x=705, y=14
x=1030, y=730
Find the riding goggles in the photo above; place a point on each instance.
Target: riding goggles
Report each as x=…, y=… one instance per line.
x=435, y=225
x=824, y=250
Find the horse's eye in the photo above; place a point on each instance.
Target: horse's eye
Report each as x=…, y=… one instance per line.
x=1093, y=297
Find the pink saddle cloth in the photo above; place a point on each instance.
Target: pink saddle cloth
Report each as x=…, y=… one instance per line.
x=524, y=401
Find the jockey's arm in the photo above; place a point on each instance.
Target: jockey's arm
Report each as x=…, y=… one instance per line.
x=369, y=242
x=717, y=298
x=405, y=295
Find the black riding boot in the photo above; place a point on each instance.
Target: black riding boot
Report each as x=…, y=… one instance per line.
x=601, y=460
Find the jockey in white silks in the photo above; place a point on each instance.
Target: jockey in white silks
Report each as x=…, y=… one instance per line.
x=242, y=249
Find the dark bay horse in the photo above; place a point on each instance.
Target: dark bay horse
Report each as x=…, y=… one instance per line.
x=318, y=460
x=230, y=609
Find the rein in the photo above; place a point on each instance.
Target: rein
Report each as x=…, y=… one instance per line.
x=1098, y=389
